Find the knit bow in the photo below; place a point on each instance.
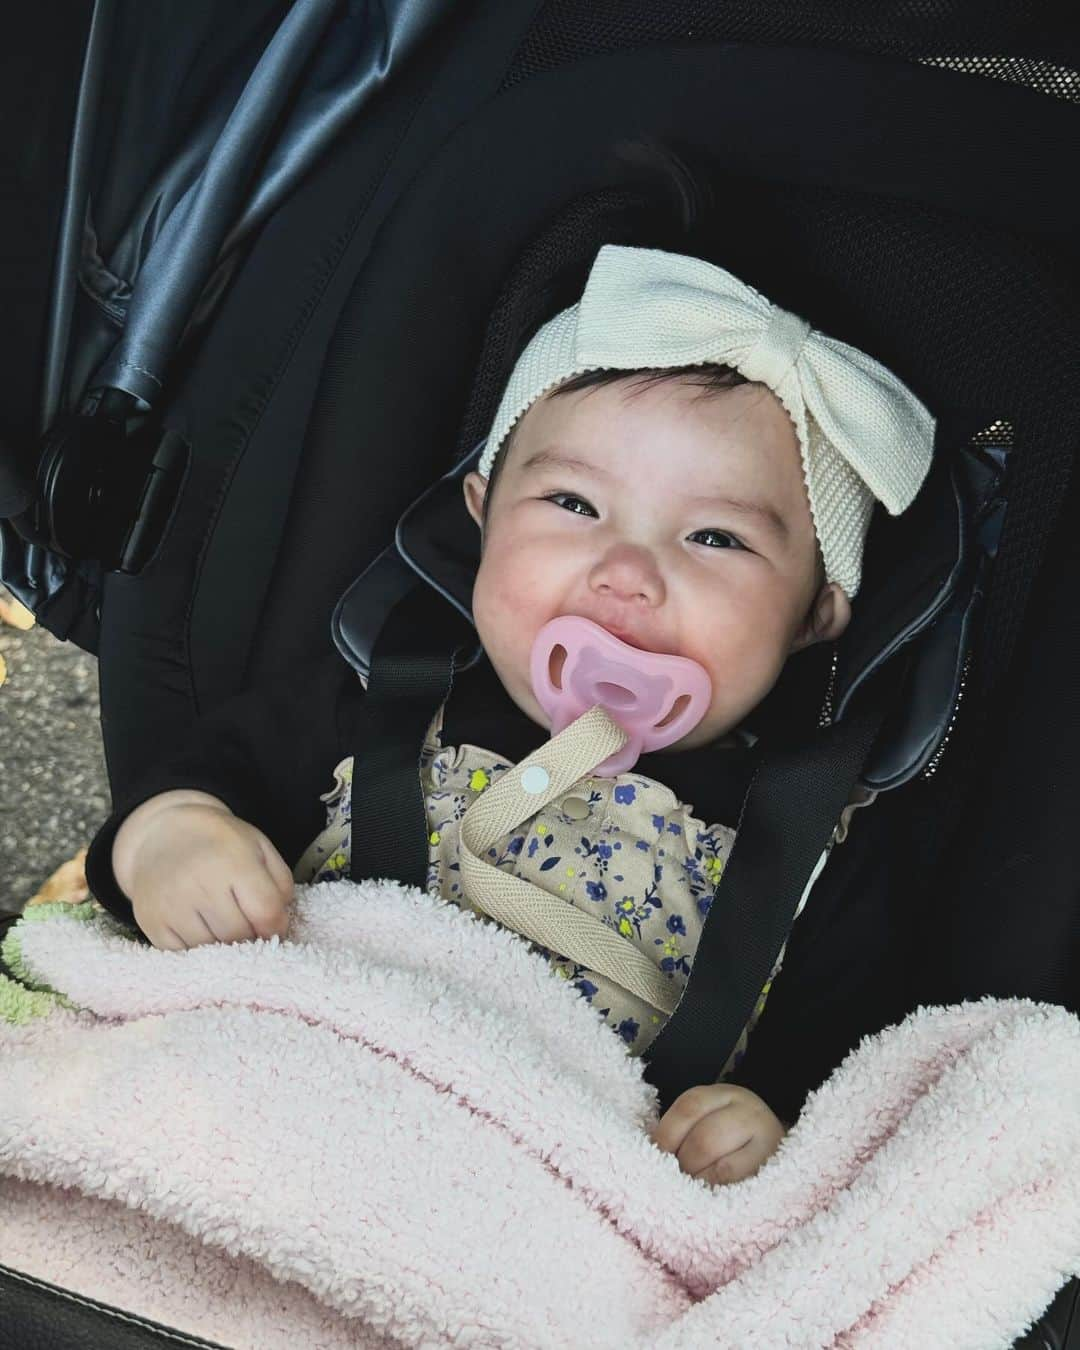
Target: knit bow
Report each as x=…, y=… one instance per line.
x=644, y=307
x=862, y=433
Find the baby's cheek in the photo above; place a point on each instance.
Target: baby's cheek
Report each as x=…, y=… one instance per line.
x=501, y=605
x=485, y=614
x=742, y=672
x=515, y=597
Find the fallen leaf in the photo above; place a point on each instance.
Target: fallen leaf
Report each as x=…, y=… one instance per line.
x=67, y=885
x=14, y=613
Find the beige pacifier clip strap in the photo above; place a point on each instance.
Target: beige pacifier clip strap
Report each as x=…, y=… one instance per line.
x=520, y=905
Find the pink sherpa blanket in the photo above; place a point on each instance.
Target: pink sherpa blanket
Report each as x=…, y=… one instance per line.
x=399, y=1127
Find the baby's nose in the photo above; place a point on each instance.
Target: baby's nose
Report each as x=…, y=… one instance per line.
x=630, y=573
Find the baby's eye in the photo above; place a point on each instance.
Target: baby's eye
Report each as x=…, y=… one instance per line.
x=569, y=502
x=716, y=539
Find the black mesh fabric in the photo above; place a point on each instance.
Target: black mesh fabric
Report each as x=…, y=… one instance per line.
x=666, y=211
x=535, y=291
x=1028, y=43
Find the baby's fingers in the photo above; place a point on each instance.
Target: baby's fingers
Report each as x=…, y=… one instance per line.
x=737, y=1165
x=278, y=869
x=163, y=936
x=720, y=1134
x=206, y=913
x=686, y=1111
x=259, y=899
x=220, y=921
x=201, y=930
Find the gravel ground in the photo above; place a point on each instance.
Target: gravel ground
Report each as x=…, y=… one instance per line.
x=53, y=789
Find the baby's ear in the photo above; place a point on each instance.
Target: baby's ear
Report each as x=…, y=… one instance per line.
x=476, y=487
x=826, y=619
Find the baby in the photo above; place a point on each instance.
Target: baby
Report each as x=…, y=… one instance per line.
x=686, y=466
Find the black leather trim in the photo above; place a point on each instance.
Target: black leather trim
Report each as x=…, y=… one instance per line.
x=35, y=1315
x=929, y=696
x=361, y=612
x=435, y=542
x=1059, y=1327
x=40, y=1316
x=439, y=539
x=937, y=661
x=911, y=569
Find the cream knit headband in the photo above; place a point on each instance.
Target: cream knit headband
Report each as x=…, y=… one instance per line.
x=863, y=434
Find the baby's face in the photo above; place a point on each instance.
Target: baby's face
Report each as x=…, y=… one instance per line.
x=676, y=519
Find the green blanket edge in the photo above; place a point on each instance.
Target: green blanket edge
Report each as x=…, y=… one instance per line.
x=23, y=996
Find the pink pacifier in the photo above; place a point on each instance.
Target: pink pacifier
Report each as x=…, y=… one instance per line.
x=655, y=698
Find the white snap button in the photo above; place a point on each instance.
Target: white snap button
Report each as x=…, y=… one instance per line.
x=535, y=779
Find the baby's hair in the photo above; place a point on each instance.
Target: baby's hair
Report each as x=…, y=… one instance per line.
x=710, y=379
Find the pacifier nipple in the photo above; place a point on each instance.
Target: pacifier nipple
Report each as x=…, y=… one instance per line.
x=655, y=698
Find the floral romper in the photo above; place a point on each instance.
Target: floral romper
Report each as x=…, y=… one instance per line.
x=624, y=849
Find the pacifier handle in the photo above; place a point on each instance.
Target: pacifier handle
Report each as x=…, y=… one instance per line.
x=655, y=697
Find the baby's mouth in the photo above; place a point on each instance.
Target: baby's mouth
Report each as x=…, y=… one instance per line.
x=628, y=638
x=627, y=635
x=633, y=639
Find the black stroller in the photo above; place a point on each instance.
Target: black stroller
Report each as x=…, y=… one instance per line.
x=259, y=225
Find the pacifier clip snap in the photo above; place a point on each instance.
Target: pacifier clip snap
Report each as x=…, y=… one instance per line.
x=520, y=905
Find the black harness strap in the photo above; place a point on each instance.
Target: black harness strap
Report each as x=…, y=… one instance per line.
x=789, y=814
x=412, y=668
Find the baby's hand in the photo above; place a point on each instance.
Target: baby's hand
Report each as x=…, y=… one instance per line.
x=195, y=873
x=719, y=1132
